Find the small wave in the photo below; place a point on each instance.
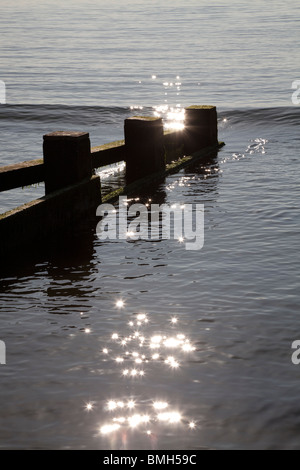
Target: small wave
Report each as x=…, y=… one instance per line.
x=280, y=116
x=84, y=115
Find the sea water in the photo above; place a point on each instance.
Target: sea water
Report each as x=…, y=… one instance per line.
x=132, y=345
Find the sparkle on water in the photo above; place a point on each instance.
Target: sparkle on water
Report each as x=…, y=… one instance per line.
x=142, y=417
x=170, y=417
x=109, y=428
x=171, y=110
x=158, y=412
x=130, y=234
x=111, y=170
x=160, y=405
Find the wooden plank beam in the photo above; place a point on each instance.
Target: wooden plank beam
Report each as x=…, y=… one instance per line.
x=21, y=174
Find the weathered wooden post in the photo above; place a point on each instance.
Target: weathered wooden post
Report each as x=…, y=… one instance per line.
x=144, y=147
x=201, y=128
x=67, y=159
x=73, y=191
x=174, y=145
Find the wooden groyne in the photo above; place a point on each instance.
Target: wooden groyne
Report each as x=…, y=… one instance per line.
x=73, y=190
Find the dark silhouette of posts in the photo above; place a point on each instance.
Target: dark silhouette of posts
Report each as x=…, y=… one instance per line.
x=73, y=190
x=144, y=147
x=201, y=128
x=67, y=159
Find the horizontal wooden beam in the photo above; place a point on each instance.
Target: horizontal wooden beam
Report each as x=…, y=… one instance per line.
x=33, y=171
x=108, y=154
x=21, y=174
x=208, y=153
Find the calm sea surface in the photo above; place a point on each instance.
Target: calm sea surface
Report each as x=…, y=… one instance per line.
x=199, y=356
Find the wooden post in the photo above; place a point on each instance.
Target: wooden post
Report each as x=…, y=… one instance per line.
x=201, y=128
x=144, y=147
x=67, y=159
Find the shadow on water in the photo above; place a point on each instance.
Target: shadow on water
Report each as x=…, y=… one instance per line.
x=200, y=166
x=64, y=250
x=77, y=247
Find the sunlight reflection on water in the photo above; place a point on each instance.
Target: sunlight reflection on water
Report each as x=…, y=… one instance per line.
x=171, y=111
x=135, y=348
x=172, y=114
